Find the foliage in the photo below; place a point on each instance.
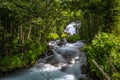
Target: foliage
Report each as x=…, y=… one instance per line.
x=53, y=36
x=73, y=38
x=103, y=15
x=116, y=76
x=63, y=35
x=103, y=47
x=96, y=15
x=19, y=60
x=26, y=27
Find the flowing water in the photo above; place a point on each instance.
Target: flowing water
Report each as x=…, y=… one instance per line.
x=73, y=28
x=65, y=63
x=62, y=62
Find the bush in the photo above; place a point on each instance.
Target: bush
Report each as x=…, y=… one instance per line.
x=53, y=36
x=103, y=47
x=116, y=76
x=73, y=38
x=32, y=50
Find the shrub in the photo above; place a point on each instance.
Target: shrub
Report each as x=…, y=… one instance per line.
x=53, y=36
x=103, y=47
x=73, y=38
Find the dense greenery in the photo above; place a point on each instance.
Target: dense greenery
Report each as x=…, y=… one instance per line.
x=73, y=38
x=26, y=26
x=100, y=29
x=105, y=49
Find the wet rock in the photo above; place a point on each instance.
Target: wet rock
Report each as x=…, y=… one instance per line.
x=83, y=69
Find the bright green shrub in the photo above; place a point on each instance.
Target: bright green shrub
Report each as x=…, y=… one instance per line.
x=32, y=50
x=104, y=46
x=10, y=62
x=63, y=35
x=16, y=62
x=116, y=76
x=53, y=36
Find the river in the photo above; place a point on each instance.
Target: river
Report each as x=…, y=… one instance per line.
x=61, y=62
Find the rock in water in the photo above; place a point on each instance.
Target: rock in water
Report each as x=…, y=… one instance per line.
x=58, y=57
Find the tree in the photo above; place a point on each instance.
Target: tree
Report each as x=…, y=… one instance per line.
x=24, y=29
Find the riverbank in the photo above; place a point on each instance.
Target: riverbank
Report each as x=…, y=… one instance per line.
x=74, y=60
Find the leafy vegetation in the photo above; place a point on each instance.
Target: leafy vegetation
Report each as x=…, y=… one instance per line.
x=105, y=50
x=100, y=30
x=26, y=26
x=53, y=36
x=73, y=38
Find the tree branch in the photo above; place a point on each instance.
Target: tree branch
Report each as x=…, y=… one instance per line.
x=101, y=70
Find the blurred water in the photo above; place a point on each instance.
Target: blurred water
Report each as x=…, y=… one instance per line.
x=65, y=64
x=73, y=28
x=41, y=71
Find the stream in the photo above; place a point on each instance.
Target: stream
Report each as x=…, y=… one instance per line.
x=63, y=61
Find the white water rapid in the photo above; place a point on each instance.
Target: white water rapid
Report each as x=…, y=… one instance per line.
x=73, y=28
x=65, y=62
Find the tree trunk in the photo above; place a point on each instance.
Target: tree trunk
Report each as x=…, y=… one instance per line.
x=29, y=32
